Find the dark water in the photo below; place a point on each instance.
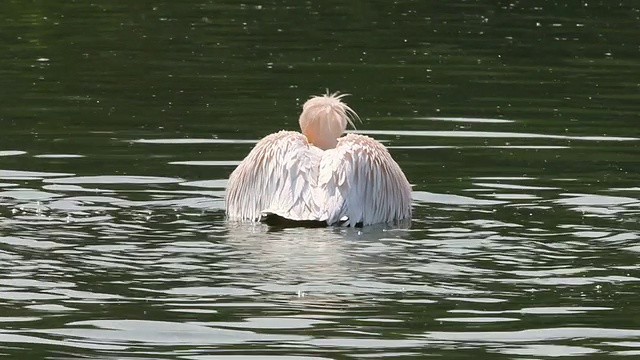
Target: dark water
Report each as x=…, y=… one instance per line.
x=516, y=123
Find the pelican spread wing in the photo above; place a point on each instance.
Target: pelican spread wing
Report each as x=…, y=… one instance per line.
x=360, y=183
x=277, y=176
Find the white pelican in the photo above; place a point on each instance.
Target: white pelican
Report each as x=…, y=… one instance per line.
x=318, y=177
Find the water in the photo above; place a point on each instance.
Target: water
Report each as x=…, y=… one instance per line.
x=516, y=125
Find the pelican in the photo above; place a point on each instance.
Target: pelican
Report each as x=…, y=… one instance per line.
x=319, y=177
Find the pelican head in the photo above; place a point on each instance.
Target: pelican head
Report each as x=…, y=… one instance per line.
x=324, y=119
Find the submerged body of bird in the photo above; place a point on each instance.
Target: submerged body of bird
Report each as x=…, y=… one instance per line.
x=319, y=177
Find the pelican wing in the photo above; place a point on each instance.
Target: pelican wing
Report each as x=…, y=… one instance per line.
x=359, y=182
x=278, y=176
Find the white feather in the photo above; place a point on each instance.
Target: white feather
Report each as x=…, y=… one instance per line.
x=277, y=176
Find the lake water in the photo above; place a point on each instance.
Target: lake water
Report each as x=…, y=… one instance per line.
x=516, y=124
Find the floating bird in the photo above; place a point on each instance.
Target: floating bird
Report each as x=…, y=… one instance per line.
x=319, y=177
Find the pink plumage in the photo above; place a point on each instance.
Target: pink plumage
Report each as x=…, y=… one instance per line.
x=320, y=176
